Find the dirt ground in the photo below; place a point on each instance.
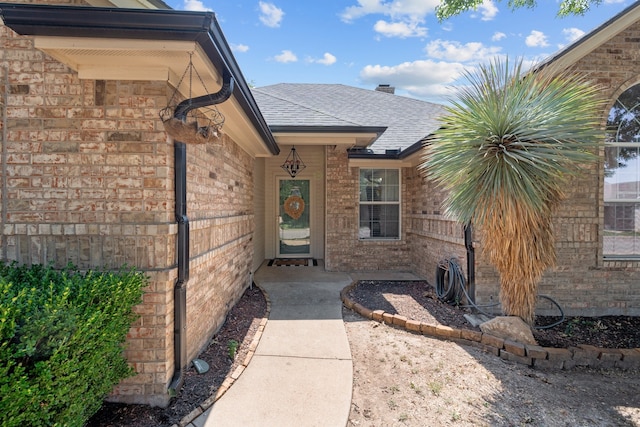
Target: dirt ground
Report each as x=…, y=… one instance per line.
x=404, y=379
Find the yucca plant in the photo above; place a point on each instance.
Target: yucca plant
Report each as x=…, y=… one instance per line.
x=508, y=143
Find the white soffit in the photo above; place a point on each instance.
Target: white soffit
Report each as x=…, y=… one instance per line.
x=349, y=139
x=130, y=59
x=154, y=60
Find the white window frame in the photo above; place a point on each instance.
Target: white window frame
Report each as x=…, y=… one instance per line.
x=365, y=235
x=612, y=143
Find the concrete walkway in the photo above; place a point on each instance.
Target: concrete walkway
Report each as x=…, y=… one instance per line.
x=301, y=373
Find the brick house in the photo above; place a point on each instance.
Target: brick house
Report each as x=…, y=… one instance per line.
x=90, y=176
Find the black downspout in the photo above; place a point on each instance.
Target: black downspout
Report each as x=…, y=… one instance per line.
x=471, y=261
x=182, y=244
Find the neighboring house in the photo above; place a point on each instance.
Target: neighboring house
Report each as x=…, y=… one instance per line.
x=90, y=176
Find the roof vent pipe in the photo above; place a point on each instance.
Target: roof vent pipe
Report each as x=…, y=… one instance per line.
x=182, y=241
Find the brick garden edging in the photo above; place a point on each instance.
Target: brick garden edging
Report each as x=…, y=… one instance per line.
x=230, y=379
x=526, y=354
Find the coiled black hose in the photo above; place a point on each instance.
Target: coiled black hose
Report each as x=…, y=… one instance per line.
x=450, y=282
x=451, y=288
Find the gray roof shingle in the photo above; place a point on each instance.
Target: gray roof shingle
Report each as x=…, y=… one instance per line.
x=295, y=104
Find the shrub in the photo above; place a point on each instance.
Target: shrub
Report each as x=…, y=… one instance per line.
x=61, y=341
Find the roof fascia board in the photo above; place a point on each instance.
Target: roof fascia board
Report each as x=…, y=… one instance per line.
x=586, y=44
x=139, y=24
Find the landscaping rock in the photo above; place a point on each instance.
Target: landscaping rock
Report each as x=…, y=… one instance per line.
x=509, y=327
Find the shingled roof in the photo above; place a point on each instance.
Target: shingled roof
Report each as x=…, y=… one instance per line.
x=334, y=105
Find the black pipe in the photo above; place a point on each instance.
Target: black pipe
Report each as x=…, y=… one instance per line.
x=182, y=243
x=471, y=261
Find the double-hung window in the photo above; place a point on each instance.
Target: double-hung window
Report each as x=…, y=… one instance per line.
x=622, y=177
x=379, y=204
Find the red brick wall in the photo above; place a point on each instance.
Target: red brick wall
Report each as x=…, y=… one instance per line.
x=432, y=236
x=345, y=251
x=88, y=177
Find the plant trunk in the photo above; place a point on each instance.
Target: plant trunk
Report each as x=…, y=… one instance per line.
x=521, y=245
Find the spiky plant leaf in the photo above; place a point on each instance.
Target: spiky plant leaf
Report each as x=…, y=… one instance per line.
x=507, y=146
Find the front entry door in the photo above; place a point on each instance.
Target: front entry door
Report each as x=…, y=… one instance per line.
x=294, y=218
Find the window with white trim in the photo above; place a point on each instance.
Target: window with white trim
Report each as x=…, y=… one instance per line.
x=379, y=204
x=622, y=177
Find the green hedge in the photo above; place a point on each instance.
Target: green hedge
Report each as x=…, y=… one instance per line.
x=61, y=341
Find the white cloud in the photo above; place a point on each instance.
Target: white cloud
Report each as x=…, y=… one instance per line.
x=286, y=56
x=365, y=7
x=271, y=15
x=414, y=10
x=536, y=39
x=572, y=34
x=497, y=36
x=195, y=6
x=406, y=17
x=422, y=78
x=487, y=10
x=458, y=52
x=400, y=29
x=239, y=47
x=327, y=59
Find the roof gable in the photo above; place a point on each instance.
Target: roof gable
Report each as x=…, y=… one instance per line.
x=594, y=39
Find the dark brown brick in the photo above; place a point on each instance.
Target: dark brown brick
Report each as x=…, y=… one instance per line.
x=536, y=351
x=609, y=357
x=630, y=358
x=470, y=335
x=585, y=355
x=523, y=360
x=492, y=341
x=515, y=348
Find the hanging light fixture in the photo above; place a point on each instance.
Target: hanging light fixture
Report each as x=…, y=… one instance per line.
x=294, y=164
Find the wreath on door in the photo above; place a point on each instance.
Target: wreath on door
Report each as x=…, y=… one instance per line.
x=294, y=206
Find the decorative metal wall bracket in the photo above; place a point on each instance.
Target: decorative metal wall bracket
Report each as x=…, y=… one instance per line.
x=294, y=164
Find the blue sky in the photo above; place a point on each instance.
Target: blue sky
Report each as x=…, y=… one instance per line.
x=364, y=43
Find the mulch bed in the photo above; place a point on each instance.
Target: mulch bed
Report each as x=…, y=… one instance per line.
x=240, y=326
x=417, y=300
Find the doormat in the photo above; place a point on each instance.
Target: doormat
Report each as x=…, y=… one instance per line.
x=292, y=262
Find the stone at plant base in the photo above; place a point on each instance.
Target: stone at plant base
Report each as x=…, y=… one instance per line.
x=509, y=327
x=200, y=365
